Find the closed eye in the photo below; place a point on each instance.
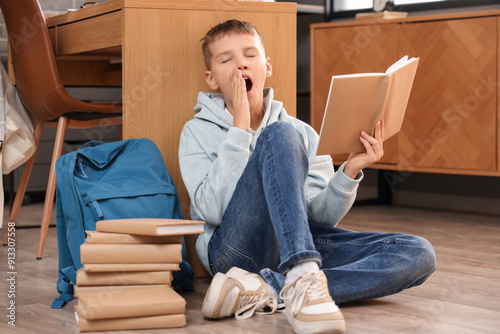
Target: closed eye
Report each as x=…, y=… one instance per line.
x=225, y=60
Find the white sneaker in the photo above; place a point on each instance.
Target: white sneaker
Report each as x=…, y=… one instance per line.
x=237, y=292
x=309, y=307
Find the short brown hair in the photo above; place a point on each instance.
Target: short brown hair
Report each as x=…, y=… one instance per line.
x=223, y=29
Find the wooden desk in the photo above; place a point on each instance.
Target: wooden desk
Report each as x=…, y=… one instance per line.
x=158, y=44
x=162, y=64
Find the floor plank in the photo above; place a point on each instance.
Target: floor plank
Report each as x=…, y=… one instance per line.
x=462, y=296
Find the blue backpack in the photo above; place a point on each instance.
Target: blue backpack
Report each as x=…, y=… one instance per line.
x=124, y=179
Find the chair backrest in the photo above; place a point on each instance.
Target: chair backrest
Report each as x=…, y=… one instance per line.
x=35, y=71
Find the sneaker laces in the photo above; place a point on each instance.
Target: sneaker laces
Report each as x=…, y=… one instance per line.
x=255, y=303
x=310, y=284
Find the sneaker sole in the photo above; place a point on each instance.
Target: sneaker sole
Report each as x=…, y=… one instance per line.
x=299, y=327
x=211, y=304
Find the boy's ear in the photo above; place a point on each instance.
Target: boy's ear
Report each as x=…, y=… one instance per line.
x=269, y=67
x=211, y=80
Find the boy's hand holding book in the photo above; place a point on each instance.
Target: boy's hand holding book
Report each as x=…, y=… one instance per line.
x=374, y=151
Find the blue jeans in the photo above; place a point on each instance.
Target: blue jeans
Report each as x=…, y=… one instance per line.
x=265, y=230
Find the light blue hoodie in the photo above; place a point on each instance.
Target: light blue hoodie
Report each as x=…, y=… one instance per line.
x=213, y=155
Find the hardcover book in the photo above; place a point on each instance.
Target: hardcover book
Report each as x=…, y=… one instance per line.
x=130, y=253
x=357, y=101
x=129, y=303
x=101, y=291
x=112, y=267
x=84, y=278
x=151, y=322
x=151, y=226
x=95, y=237
x=385, y=15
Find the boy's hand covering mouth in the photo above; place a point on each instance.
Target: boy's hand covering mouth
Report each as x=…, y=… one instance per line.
x=248, y=84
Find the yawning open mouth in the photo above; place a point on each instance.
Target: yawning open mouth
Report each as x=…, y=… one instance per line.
x=248, y=84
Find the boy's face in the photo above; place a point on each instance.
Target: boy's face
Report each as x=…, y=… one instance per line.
x=245, y=52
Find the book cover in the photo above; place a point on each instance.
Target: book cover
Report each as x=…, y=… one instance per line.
x=151, y=226
x=131, y=253
x=129, y=303
x=357, y=101
x=95, y=237
x=115, y=267
x=84, y=278
x=149, y=322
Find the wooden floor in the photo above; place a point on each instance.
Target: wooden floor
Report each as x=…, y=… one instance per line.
x=462, y=296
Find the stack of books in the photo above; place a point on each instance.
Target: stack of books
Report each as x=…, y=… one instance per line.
x=125, y=282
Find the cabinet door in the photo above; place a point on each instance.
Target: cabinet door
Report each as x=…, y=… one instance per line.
x=346, y=50
x=450, y=121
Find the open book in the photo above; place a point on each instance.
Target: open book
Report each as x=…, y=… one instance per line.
x=357, y=101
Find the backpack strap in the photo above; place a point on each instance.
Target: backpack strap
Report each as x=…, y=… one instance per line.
x=60, y=301
x=64, y=287
x=67, y=269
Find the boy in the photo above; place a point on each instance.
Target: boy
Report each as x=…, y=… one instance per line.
x=271, y=205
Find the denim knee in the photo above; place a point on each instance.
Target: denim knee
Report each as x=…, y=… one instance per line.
x=281, y=133
x=427, y=257
x=423, y=259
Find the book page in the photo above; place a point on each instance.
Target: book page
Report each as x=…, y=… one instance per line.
x=401, y=83
x=397, y=65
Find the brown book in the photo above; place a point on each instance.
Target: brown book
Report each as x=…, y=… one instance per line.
x=128, y=303
x=95, y=237
x=84, y=278
x=151, y=226
x=385, y=15
x=357, y=101
x=117, y=267
x=150, y=322
x=131, y=253
x=102, y=290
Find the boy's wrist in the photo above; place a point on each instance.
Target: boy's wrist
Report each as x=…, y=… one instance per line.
x=241, y=126
x=351, y=172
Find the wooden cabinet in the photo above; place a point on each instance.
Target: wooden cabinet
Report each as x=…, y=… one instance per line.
x=451, y=123
x=451, y=116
